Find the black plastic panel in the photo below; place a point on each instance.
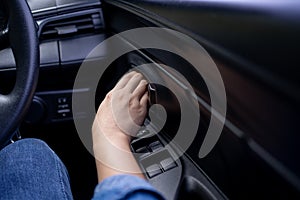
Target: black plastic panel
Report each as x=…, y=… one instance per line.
x=64, y=52
x=48, y=56
x=158, y=164
x=262, y=37
x=37, y=5
x=77, y=49
x=58, y=105
x=74, y=2
x=48, y=5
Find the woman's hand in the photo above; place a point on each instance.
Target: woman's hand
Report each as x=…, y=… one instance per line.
x=119, y=117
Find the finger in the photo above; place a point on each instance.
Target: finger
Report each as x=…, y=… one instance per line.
x=133, y=82
x=140, y=89
x=144, y=99
x=124, y=80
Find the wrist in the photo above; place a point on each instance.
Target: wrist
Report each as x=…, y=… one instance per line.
x=122, y=141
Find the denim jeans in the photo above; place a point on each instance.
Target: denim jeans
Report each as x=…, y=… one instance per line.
x=29, y=169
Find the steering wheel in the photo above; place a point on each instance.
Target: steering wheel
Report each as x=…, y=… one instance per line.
x=22, y=37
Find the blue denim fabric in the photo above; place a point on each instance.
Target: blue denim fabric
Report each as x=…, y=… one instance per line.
x=125, y=187
x=29, y=169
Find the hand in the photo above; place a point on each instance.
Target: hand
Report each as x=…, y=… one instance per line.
x=124, y=108
x=118, y=118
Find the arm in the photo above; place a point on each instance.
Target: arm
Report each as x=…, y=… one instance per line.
x=118, y=118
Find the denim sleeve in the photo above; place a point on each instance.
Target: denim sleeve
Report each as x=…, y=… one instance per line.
x=125, y=187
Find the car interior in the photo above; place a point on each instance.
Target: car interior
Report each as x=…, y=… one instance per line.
x=253, y=43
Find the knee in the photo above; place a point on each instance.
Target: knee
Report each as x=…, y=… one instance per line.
x=25, y=144
x=29, y=156
x=30, y=165
x=31, y=143
x=26, y=148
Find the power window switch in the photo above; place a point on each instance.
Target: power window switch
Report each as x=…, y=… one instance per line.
x=153, y=170
x=155, y=146
x=168, y=164
x=142, y=150
x=144, y=155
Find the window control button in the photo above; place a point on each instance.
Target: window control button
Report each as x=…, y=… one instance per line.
x=144, y=155
x=155, y=146
x=168, y=164
x=142, y=150
x=153, y=170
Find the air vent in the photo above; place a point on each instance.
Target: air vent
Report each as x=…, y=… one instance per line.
x=70, y=26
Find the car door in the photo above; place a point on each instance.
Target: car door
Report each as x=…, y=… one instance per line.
x=254, y=46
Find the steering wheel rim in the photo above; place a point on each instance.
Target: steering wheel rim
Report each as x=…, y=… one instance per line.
x=23, y=40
